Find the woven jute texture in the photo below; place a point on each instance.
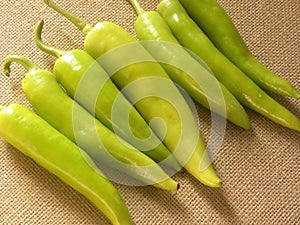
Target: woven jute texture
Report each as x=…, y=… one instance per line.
x=259, y=168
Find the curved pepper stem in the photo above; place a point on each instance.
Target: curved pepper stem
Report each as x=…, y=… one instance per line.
x=80, y=24
x=26, y=63
x=137, y=6
x=41, y=45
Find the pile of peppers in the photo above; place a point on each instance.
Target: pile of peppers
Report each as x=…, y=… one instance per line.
x=107, y=95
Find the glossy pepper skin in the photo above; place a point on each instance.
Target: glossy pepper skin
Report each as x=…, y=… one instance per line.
x=150, y=26
x=38, y=140
x=78, y=125
x=78, y=72
x=242, y=87
x=216, y=23
x=190, y=151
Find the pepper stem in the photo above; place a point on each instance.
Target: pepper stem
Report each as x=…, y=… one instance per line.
x=41, y=45
x=80, y=24
x=29, y=65
x=137, y=6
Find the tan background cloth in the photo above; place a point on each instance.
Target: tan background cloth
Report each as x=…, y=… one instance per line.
x=259, y=168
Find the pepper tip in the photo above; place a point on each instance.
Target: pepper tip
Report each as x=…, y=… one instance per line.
x=6, y=72
x=6, y=68
x=46, y=2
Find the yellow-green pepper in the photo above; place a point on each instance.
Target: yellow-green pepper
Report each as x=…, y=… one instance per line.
x=37, y=139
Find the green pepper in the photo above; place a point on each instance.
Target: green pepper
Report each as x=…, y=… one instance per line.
x=243, y=88
x=77, y=72
x=216, y=23
x=69, y=118
x=104, y=42
x=38, y=140
x=151, y=26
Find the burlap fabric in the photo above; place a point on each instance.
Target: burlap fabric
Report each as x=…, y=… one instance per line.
x=259, y=168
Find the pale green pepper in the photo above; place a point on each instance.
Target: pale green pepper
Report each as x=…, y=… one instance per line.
x=38, y=140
